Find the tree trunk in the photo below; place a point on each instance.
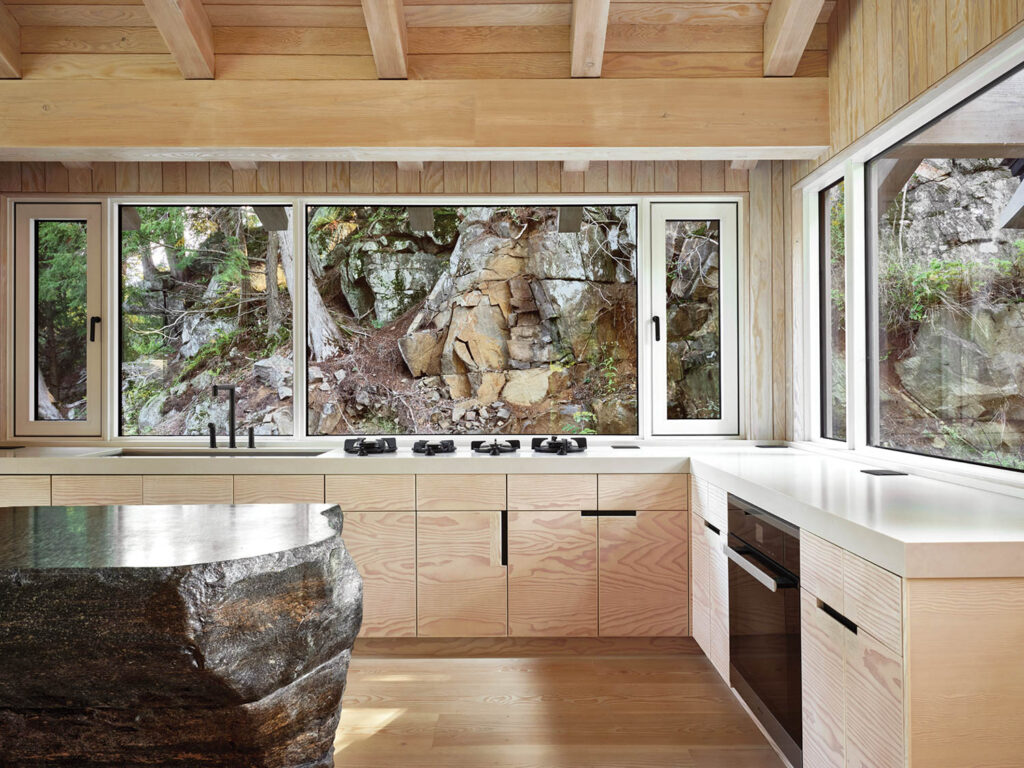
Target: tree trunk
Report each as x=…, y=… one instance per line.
x=273, y=299
x=245, y=294
x=321, y=333
x=45, y=409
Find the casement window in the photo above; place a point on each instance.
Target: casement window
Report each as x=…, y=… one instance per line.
x=58, y=338
x=832, y=309
x=694, y=288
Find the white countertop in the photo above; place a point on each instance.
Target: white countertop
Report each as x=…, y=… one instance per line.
x=913, y=526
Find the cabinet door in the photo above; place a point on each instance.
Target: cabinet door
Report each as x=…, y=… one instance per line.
x=719, y=596
x=383, y=545
x=187, y=489
x=822, y=646
x=24, y=490
x=96, y=489
x=643, y=574
x=552, y=574
x=874, y=704
x=700, y=584
x=462, y=585
x=279, y=489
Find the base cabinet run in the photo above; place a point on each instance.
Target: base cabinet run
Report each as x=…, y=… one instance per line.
x=709, y=582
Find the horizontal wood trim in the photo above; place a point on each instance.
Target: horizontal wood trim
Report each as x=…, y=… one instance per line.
x=692, y=112
x=511, y=15
x=279, y=489
x=517, y=39
x=552, y=492
x=96, y=489
x=645, y=65
x=82, y=15
x=523, y=647
x=285, y=16
x=187, y=489
x=104, y=66
x=460, y=492
x=287, y=67
x=643, y=491
x=91, y=40
x=371, y=492
x=296, y=41
x=24, y=490
x=488, y=66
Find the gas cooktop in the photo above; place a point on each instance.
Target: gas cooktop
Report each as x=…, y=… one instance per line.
x=559, y=446
x=494, y=448
x=428, y=448
x=362, y=446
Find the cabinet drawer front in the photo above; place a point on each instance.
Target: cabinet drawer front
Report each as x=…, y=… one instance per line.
x=651, y=492
x=187, y=489
x=383, y=545
x=549, y=492
x=823, y=662
x=451, y=493
x=821, y=569
x=96, y=489
x=710, y=502
x=279, y=489
x=24, y=490
x=371, y=492
x=700, y=583
x=719, y=595
x=873, y=600
x=874, y=704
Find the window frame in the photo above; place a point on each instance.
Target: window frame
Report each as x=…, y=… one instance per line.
x=730, y=213
x=23, y=306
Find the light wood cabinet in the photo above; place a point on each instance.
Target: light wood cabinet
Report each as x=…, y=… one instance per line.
x=709, y=580
x=821, y=569
x=719, y=595
x=460, y=492
x=187, y=489
x=461, y=583
x=547, y=492
x=74, y=490
x=383, y=545
x=278, y=489
x=823, y=662
x=700, y=584
x=394, y=493
x=640, y=491
x=552, y=574
x=643, y=574
x=24, y=490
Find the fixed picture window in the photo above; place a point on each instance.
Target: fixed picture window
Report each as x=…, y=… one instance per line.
x=696, y=351
x=205, y=299
x=832, y=295
x=946, y=237
x=58, y=331
x=485, y=319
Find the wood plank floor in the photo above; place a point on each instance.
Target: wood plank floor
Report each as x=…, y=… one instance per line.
x=649, y=711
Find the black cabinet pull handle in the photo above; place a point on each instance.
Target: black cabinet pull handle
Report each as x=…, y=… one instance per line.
x=504, y=537
x=657, y=328
x=828, y=610
x=713, y=528
x=92, y=327
x=608, y=513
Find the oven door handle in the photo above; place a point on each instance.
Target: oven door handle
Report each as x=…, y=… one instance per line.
x=765, y=579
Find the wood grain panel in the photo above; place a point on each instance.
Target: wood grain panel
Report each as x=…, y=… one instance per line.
x=460, y=492
x=874, y=600
x=823, y=671
x=279, y=489
x=465, y=66
x=821, y=569
x=96, y=489
x=24, y=490
x=383, y=545
x=297, y=41
x=371, y=492
x=463, y=40
x=524, y=647
x=874, y=704
x=511, y=15
x=719, y=592
x=552, y=574
x=700, y=583
x=461, y=584
x=285, y=16
x=642, y=491
x=187, y=489
x=547, y=492
x=643, y=574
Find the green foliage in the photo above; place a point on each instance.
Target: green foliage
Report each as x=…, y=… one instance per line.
x=584, y=423
x=215, y=349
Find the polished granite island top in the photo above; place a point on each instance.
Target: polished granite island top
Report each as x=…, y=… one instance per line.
x=164, y=536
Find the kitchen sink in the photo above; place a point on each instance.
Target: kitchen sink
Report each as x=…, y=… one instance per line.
x=252, y=453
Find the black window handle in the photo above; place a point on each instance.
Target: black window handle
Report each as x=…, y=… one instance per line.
x=92, y=327
x=504, y=537
x=657, y=328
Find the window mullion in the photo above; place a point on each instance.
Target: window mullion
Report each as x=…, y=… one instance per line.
x=857, y=311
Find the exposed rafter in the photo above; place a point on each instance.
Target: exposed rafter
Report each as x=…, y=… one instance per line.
x=787, y=31
x=185, y=28
x=587, y=35
x=575, y=166
x=744, y=165
x=10, y=44
x=385, y=23
x=414, y=166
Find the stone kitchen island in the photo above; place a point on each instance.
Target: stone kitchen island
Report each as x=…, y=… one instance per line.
x=208, y=635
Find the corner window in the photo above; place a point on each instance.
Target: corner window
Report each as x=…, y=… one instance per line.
x=832, y=296
x=946, y=236
x=694, y=288
x=461, y=319
x=58, y=331
x=205, y=299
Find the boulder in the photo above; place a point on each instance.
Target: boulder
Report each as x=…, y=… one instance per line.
x=274, y=371
x=487, y=385
x=458, y=386
x=526, y=387
x=421, y=352
x=476, y=340
x=151, y=414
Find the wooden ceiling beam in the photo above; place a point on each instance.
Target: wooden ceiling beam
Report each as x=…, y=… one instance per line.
x=787, y=30
x=385, y=23
x=744, y=165
x=10, y=44
x=185, y=28
x=588, y=30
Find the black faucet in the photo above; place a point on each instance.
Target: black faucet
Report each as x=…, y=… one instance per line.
x=213, y=434
x=230, y=389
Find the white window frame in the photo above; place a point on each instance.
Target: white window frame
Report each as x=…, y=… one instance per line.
x=728, y=214
x=24, y=306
